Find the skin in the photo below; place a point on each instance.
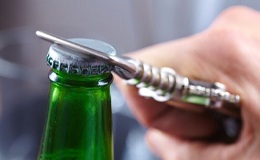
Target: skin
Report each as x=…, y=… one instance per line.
x=227, y=52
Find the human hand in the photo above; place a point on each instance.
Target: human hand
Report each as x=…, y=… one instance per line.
x=227, y=52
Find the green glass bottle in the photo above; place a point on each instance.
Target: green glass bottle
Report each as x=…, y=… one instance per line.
x=79, y=120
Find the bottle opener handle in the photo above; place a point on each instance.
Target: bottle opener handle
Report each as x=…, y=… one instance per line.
x=162, y=84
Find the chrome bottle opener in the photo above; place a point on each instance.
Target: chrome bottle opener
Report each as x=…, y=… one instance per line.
x=162, y=84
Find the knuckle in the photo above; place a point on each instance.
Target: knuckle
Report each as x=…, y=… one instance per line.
x=236, y=17
x=229, y=49
x=234, y=11
x=230, y=42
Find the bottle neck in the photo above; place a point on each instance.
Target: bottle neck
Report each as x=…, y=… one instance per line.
x=79, y=121
x=79, y=80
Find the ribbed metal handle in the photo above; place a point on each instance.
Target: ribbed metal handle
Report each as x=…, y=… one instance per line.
x=164, y=85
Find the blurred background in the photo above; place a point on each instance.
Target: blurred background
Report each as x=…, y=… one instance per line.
x=127, y=25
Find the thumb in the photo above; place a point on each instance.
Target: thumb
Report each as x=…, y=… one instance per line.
x=168, y=148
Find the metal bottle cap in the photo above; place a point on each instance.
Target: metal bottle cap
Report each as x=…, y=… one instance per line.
x=73, y=62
